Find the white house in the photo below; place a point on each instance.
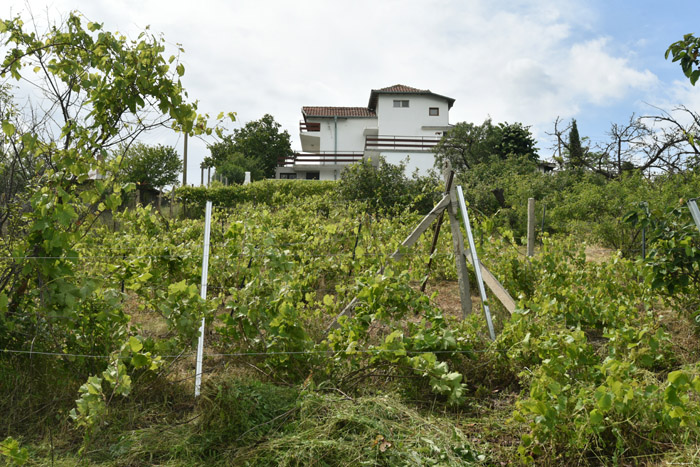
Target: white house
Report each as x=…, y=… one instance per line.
x=399, y=121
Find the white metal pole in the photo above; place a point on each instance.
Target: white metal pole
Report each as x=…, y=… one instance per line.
x=475, y=262
x=205, y=273
x=693, y=206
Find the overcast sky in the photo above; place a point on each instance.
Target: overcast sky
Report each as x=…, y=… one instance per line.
x=516, y=61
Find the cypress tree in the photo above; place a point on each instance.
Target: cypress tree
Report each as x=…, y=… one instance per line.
x=575, y=150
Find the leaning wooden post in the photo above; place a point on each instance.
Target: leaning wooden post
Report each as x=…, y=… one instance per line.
x=531, y=226
x=458, y=246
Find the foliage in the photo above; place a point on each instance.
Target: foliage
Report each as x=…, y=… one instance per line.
x=12, y=452
x=150, y=167
x=261, y=144
x=686, y=51
x=99, y=90
x=595, y=359
x=468, y=145
x=274, y=193
x=235, y=167
x=376, y=430
x=384, y=187
x=674, y=254
x=576, y=158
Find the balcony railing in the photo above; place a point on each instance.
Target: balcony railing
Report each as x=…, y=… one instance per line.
x=319, y=158
x=416, y=143
x=309, y=126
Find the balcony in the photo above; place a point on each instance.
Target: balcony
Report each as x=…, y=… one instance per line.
x=309, y=126
x=401, y=143
x=319, y=158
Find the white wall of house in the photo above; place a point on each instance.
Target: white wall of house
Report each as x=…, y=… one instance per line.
x=413, y=120
x=351, y=133
x=423, y=161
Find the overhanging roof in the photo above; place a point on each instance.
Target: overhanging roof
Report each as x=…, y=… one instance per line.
x=403, y=89
x=345, y=112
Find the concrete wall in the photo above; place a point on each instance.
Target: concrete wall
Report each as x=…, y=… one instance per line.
x=423, y=161
x=411, y=120
x=351, y=136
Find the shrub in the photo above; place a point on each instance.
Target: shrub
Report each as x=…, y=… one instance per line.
x=385, y=187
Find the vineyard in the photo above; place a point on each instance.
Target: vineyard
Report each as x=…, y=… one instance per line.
x=597, y=363
x=101, y=298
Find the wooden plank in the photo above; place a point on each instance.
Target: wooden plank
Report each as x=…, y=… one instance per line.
x=410, y=241
x=422, y=227
x=495, y=286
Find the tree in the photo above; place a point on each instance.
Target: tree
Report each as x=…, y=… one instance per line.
x=468, y=145
x=150, y=167
x=260, y=142
x=235, y=167
x=94, y=91
x=576, y=156
x=686, y=52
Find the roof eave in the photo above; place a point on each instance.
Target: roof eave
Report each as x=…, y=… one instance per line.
x=374, y=97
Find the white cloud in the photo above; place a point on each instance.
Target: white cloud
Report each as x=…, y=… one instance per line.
x=596, y=75
x=527, y=61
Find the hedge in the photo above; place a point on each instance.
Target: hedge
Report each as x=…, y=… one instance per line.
x=268, y=192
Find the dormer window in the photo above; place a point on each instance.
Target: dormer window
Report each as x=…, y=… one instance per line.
x=434, y=111
x=400, y=103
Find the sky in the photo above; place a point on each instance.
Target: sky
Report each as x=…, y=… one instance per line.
x=531, y=62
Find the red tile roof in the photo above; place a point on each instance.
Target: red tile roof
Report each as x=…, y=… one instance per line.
x=337, y=112
x=370, y=110
x=403, y=89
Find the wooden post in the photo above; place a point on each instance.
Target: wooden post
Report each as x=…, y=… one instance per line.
x=531, y=226
x=458, y=247
x=160, y=199
x=202, y=182
x=208, y=176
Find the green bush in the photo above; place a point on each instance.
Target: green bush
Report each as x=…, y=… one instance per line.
x=269, y=192
x=385, y=187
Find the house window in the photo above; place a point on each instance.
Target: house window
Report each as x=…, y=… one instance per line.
x=288, y=176
x=434, y=111
x=400, y=103
x=312, y=175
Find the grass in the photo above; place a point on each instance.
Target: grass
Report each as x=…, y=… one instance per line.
x=249, y=422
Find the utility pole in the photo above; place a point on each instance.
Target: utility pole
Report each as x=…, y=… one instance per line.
x=184, y=163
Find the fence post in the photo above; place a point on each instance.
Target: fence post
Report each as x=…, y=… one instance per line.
x=458, y=247
x=203, y=294
x=531, y=226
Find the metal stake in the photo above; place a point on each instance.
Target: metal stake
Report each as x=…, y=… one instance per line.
x=205, y=273
x=475, y=262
